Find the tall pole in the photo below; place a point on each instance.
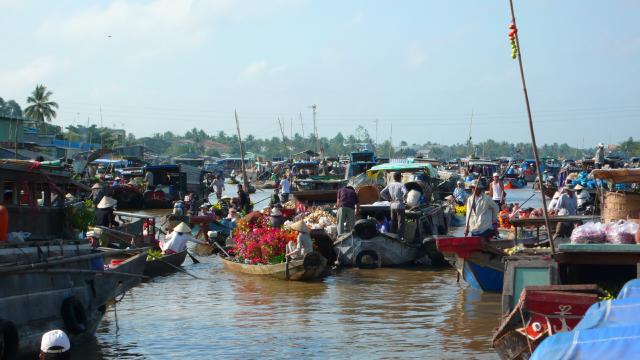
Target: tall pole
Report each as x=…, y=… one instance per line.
x=314, y=107
x=245, y=181
x=284, y=139
x=301, y=124
x=534, y=145
x=470, y=126
x=15, y=143
x=376, y=132
x=390, y=142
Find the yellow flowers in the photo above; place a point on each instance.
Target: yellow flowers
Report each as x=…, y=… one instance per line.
x=461, y=209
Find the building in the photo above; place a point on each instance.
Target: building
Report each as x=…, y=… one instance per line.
x=11, y=130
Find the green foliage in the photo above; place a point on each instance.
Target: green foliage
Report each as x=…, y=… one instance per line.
x=41, y=108
x=81, y=215
x=10, y=109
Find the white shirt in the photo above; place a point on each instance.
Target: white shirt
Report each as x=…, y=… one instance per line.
x=497, y=190
x=583, y=197
x=176, y=242
x=286, y=186
x=484, y=215
x=303, y=246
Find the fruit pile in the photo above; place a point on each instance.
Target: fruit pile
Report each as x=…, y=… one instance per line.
x=512, y=40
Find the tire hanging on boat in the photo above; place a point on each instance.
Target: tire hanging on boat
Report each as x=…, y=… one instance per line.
x=74, y=316
x=368, y=259
x=365, y=229
x=9, y=340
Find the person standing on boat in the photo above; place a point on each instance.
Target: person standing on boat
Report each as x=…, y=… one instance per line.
x=460, y=193
x=244, y=200
x=496, y=190
x=218, y=186
x=396, y=194
x=567, y=205
x=346, y=202
x=104, y=212
x=599, y=158
x=285, y=186
x=177, y=240
x=55, y=344
x=482, y=213
x=303, y=245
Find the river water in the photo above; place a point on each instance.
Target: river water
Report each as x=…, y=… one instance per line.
x=373, y=314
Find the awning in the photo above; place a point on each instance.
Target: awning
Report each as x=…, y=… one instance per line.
x=406, y=167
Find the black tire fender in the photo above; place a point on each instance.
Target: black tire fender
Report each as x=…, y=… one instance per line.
x=9, y=340
x=368, y=259
x=74, y=316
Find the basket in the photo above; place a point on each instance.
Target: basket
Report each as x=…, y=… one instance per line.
x=368, y=194
x=620, y=205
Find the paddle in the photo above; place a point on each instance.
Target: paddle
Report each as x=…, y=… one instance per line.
x=173, y=266
x=532, y=195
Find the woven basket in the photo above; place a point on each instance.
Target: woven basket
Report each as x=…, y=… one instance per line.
x=368, y=194
x=620, y=205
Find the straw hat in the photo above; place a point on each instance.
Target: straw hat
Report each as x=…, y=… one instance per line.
x=182, y=228
x=97, y=186
x=578, y=187
x=299, y=226
x=276, y=212
x=107, y=202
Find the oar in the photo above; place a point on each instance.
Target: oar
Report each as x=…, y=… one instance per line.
x=175, y=267
x=532, y=195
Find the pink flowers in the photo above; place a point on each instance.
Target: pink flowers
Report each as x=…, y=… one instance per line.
x=260, y=244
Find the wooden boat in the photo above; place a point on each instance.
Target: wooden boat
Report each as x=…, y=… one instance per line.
x=132, y=263
x=513, y=184
x=158, y=267
x=479, y=263
x=312, y=267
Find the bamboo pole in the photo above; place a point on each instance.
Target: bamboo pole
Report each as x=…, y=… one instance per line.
x=534, y=145
x=245, y=181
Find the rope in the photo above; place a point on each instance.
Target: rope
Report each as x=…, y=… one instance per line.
x=524, y=324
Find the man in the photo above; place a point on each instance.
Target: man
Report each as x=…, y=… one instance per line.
x=567, y=205
x=599, y=158
x=482, y=212
x=275, y=198
x=244, y=201
x=346, y=202
x=460, y=193
x=582, y=197
x=218, y=186
x=55, y=344
x=285, y=186
x=104, y=212
x=496, y=189
x=177, y=240
x=396, y=193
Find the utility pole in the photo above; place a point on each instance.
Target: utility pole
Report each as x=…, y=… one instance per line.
x=101, y=117
x=314, y=107
x=376, y=132
x=284, y=139
x=292, y=128
x=390, y=142
x=245, y=181
x=15, y=143
x=301, y=124
x=470, y=125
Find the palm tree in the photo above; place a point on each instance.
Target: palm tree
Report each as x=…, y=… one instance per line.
x=41, y=109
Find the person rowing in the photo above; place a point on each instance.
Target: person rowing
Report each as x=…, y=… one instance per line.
x=177, y=241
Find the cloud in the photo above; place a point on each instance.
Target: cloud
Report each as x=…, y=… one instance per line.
x=417, y=56
x=259, y=68
x=29, y=75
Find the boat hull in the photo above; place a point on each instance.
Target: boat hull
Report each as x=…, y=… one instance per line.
x=155, y=268
x=481, y=266
x=381, y=250
x=308, y=269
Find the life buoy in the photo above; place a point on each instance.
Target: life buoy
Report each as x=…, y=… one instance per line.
x=368, y=259
x=9, y=340
x=74, y=316
x=4, y=223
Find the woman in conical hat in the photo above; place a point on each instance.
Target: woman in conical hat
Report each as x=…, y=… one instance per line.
x=304, y=244
x=104, y=212
x=177, y=240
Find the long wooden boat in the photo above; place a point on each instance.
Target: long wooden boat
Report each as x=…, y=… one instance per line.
x=158, y=267
x=312, y=267
x=477, y=262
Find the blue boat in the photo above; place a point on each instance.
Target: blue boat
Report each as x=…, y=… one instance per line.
x=477, y=262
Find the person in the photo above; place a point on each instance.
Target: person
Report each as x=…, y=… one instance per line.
x=275, y=197
x=177, y=240
x=93, y=237
x=204, y=210
x=179, y=208
x=55, y=344
x=503, y=216
x=583, y=198
x=460, y=193
x=97, y=192
x=104, y=212
x=230, y=221
x=148, y=178
x=347, y=201
x=598, y=159
x=303, y=244
x=218, y=186
x=496, y=189
x=482, y=212
x=567, y=203
x=285, y=186
x=551, y=208
x=382, y=224
x=277, y=220
x=244, y=201
x=396, y=193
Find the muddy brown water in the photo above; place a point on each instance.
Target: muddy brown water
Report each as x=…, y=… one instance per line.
x=374, y=314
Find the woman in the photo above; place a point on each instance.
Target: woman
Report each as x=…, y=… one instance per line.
x=177, y=240
x=303, y=245
x=104, y=212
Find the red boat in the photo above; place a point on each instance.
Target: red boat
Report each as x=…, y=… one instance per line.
x=542, y=311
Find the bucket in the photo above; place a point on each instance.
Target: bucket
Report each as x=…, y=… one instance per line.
x=620, y=205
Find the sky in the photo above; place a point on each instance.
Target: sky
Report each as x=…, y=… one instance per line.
x=421, y=68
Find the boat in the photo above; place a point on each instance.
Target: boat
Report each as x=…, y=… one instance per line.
x=540, y=312
x=166, y=264
x=312, y=267
x=478, y=262
x=511, y=184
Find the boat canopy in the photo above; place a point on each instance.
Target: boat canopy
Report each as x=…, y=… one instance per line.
x=406, y=167
x=618, y=175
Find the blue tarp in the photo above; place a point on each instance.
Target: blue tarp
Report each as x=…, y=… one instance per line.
x=609, y=330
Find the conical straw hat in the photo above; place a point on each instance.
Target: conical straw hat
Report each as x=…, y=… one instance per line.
x=300, y=226
x=182, y=227
x=107, y=202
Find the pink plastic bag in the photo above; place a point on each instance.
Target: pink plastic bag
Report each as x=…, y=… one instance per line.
x=589, y=233
x=622, y=232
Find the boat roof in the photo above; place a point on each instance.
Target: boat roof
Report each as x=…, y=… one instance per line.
x=406, y=167
x=162, y=167
x=618, y=175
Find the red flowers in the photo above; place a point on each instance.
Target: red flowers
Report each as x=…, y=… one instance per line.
x=260, y=244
